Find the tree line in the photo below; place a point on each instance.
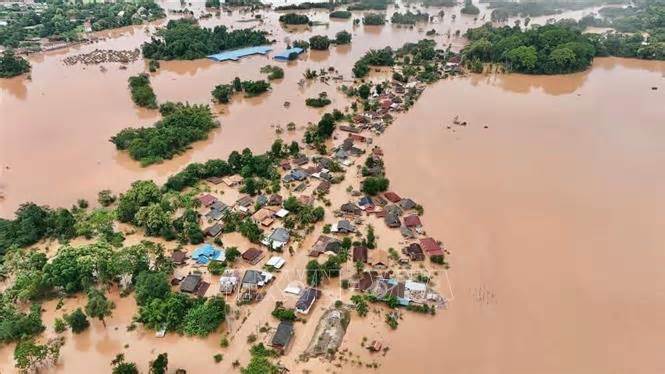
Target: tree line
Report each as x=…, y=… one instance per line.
x=184, y=39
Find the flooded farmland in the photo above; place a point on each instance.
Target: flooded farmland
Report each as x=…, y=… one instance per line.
x=550, y=198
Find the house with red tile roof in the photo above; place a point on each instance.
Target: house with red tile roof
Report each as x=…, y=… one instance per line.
x=431, y=247
x=412, y=221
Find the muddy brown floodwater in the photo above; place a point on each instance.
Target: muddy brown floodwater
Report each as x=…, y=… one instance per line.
x=553, y=213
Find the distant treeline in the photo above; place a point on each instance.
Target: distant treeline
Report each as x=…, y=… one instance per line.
x=65, y=20
x=552, y=49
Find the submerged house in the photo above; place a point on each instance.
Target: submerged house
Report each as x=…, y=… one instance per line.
x=207, y=199
x=392, y=219
x=412, y=221
x=283, y=336
x=343, y=227
x=431, y=247
x=229, y=281
x=214, y=230
x=414, y=252
x=360, y=254
x=206, y=253
x=325, y=244
x=351, y=208
x=279, y=237
x=307, y=300
x=193, y=283
x=252, y=256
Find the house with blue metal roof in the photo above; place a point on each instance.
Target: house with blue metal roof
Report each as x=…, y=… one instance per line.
x=237, y=54
x=206, y=253
x=287, y=54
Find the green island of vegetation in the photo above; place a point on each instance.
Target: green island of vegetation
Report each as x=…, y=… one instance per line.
x=374, y=19
x=307, y=5
x=342, y=14
x=142, y=93
x=409, y=18
x=343, y=37
x=12, y=65
x=64, y=20
x=184, y=39
x=222, y=93
x=294, y=19
x=318, y=102
x=273, y=71
x=319, y=43
x=370, y=5
x=551, y=49
x=181, y=125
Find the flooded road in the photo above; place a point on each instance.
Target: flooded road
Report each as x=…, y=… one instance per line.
x=552, y=212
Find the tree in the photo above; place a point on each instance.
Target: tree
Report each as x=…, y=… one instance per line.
x=16, y=325
x=30, y=356
x=98, y=305
x=364, y=91
x=106, y=197
x=237, y=84
x=77, y=321
x=12, y=65
x=232, y=254
x=315, y=273
x=222, y=93
x=360, y=304
x=154, y=219
x=332, y=267
x=294, y=148
x=120, y=366
x=522, y=58
x=160, y=365
x=360, y=266
x=151, y=285
x=141, y=193
x=206, y=317
x=374, y=19
x=370, y=241
x=374, y=185
x=319, y=42
x=343, y=37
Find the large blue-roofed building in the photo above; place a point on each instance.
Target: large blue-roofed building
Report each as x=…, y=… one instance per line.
x=236, y=54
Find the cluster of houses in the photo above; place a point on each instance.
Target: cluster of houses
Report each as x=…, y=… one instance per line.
x=407, y=293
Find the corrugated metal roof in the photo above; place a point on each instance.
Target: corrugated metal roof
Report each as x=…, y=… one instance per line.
x=284, y=56
x=237, y=54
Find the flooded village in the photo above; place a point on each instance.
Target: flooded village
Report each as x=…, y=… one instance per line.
x=429, y=221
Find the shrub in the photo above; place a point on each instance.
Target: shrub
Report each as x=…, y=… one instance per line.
x=319, y=42
x=343, y=37
x=294, y=19
x=374, y=19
